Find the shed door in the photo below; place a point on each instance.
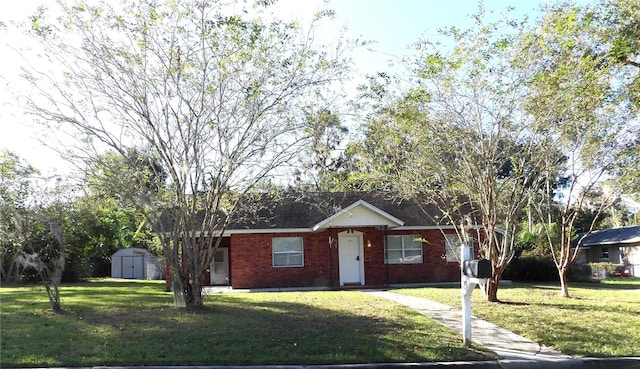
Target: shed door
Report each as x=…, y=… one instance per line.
x=133, y=267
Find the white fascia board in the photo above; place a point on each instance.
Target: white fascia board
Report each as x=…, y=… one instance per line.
x=327, y=222
x=229, y=232
x=418, y=228
x=271, y=230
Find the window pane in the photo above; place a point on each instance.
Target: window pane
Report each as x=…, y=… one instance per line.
x=413, y=256
x=287, y=251
x=287, y=244
x=295, y=259
x=404, y=249
x=412, y=242
x=453, y=248
x=394, y=242
x=280, y=259
x=287, y=259
x=394, y=257
x=453, y=241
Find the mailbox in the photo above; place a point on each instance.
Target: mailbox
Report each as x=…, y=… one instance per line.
x=477, y=268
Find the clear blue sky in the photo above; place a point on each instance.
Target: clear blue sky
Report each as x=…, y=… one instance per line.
x=393, y=24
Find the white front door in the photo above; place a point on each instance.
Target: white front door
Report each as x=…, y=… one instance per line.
x=350, y=252
x=220, y=267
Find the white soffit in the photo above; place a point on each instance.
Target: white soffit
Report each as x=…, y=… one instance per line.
x=360, y=214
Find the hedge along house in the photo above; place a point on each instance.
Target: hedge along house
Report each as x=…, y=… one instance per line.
x=335, y=240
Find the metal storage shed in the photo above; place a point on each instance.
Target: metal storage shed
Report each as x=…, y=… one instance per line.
x=134, y=263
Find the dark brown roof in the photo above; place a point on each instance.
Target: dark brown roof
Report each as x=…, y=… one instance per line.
x=305, y=210
x=295, y=210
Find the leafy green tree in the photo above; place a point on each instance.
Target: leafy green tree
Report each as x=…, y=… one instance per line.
x=620, y=30
x=459, y=139
x=43, y=245
x=575, y=95
x=216, y=93
x=617, y=27
x=44, y=249
x=616, y=40
x=116, y=187
x=323, y=169
x=126, y=177
x=104, y=227
x=15, y=186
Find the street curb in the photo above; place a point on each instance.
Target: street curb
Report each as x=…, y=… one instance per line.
x=435, y=365
x=621, y=362
x=582, y=363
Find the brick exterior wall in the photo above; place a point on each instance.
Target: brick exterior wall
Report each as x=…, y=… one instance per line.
x=251, y=265
x=434, y=267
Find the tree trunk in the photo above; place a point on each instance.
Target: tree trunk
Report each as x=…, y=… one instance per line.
x=54, y=296
x=187, y=293
x=564, y=286
x=491, y=288
x=194, y=298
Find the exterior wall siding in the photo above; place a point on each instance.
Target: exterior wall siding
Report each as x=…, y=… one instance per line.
x=434, y=267
x=251, y=264
x=594, y=254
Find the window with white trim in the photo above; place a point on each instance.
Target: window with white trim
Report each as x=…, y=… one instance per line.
x=287, y=251
x=405, y=249
x=452, y=245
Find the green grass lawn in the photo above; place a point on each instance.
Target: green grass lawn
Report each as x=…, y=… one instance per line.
x=135, y=323
x=599, y=320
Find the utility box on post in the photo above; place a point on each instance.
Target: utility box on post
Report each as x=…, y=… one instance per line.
x=477, y=268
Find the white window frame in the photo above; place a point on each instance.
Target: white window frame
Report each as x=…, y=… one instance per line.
x=288, y=253
x=405, y=241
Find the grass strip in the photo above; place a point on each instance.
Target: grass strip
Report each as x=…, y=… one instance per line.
x=599, y=320
x=135, y=323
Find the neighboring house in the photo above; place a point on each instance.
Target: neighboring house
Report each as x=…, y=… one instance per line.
x=134, y=263
x=620, y=246
x=335, y=240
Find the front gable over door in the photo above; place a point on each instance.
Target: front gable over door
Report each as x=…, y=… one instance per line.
x=359, y=214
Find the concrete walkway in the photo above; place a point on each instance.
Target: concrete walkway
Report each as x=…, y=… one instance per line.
x=506, y=344
x=515, y=351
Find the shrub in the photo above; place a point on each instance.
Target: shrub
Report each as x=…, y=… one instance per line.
x=602, y=269
x=580, y=273
x=532, y=268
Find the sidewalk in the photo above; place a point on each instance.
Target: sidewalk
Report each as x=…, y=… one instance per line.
x=514, y=350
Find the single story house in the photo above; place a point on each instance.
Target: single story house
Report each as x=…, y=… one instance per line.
x=619, y=246
x=335, y=240
x=134, y=263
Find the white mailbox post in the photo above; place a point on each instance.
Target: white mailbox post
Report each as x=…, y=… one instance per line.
x=468, y=281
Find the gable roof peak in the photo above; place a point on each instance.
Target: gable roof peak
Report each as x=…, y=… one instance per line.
x=359, y=213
